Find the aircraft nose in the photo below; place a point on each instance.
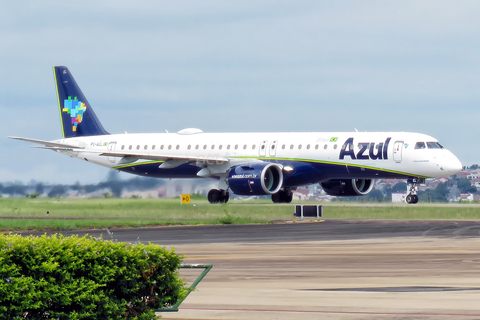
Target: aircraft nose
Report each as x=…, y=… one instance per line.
x=451, y=165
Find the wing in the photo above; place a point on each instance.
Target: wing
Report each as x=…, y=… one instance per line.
x=162, y=157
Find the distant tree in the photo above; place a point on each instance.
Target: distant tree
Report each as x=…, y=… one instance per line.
x=116, y=189
x=439, y=194
x=15, y=189
x=400, y=187
x=375, y=195
x=473, y=167
x=465, y=186
x=57, y=191
x=39, y=188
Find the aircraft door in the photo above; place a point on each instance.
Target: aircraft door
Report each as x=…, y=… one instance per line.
x=397, y=151
x=263, y=148
x=273, y=148
x=111, y=147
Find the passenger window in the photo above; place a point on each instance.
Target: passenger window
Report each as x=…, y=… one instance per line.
x=189, y=147
x=236, y=146
x=420, y=145
x=123, y=147
x=253, y=147
x=228, y=147
x=130, y=147
x=138, y=147
x=283, y=146
x=291, y=146
x=325, y=146
x=169, y=147
x=153, y=147
x=145, y=147
x=178, y=146
x=299, y=146
x=213, y=146
x=204, y=147
x=308, y=146
x=197, y=146
x=335, y=147
x=220, y=147
x=245, y=146
x=161, y=147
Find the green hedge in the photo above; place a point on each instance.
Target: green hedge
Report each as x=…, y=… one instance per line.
x=58, y=277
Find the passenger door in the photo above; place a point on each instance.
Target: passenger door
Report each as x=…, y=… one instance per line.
x=397, y=151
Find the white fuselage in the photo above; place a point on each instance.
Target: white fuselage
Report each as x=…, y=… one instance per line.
x=333, y=154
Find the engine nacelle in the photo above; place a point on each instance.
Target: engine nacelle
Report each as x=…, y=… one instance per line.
x=348, y=188
x=256, y=179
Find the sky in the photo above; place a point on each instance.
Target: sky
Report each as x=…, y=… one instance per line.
x=249, y=65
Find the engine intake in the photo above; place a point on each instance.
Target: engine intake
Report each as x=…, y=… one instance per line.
x=348, y=188
x=256, y=179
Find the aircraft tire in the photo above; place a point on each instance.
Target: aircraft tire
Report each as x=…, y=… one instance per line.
x=282, y=196
x=225, y=196
x=214, y=196
x=414, y=198
x=409, y=199
x=288, y=197
x=277, y=197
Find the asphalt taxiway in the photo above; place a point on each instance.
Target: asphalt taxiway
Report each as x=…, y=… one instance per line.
x=335, y=269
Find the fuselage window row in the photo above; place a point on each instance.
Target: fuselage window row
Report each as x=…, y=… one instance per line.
x=263, y=147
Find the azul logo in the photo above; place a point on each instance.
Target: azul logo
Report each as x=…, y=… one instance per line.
x=373, y=153
x=75, y=108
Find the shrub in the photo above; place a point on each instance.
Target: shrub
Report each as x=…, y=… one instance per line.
x=58, y=277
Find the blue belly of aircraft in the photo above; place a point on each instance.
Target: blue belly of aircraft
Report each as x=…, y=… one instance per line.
x=304, y=172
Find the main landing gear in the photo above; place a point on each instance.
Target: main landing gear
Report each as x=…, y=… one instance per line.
x=412, y=196
x=218, y=196
x=282, y=196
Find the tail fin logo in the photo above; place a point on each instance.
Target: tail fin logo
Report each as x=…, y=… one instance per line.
x=75, y=108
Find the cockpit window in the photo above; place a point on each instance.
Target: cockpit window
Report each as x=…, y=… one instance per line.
x=434, y=145
x=420, y=145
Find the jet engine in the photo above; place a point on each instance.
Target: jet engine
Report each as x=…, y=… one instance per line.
x=256, y=179
x=347, y=187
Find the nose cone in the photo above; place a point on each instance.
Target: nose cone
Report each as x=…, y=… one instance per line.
x=450, y=165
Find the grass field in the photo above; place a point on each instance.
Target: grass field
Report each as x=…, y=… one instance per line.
x=71, y=214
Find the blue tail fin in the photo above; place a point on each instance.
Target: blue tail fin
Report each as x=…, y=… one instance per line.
x=78, y=118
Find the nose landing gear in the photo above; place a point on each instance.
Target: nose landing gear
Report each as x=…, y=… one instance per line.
x=412, y=196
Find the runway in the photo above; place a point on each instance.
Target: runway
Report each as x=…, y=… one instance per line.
x=335, y=269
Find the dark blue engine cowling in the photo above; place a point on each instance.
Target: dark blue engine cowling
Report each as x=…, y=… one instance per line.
x=347, y=187
x=256, y=179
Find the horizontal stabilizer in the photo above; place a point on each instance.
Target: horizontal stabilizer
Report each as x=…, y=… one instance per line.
x=49, y=143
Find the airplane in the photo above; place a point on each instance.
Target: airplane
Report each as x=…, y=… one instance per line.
x=260, y=163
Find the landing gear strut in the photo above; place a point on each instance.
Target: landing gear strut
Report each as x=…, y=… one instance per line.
x=218, y=196
x=282, y=196
x=412, y=196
